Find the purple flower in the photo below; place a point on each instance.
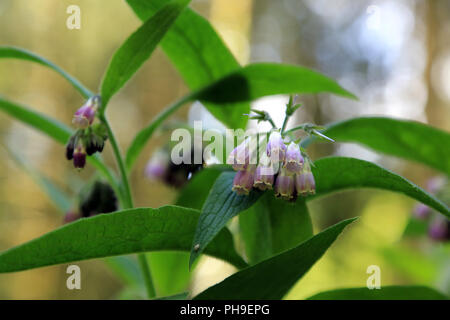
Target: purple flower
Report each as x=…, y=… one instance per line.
x=276, y=149
x=294, y=160
x=284, y=185
x=79, y=157
x=84, y=116
x=239, y=158
x=263, y=178
x=439, y=229
x=304, y=181
x=243, y=181
x=158, y=166
x=421, y=211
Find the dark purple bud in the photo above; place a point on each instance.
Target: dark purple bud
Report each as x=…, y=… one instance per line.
x=79, y=157
x=70, y=147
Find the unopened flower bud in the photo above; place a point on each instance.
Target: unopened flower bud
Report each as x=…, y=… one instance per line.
x=70, y=148
x=304, y=181
x=243, y=181
x=294, y=160
x=85, y=116
x=284, y=185
x=263, y=178
x=156, y=168
x=79, y=157
x=98, y=198
x=276, y=149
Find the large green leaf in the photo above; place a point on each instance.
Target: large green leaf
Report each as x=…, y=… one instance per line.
x=272, y=226
x=18, y=53
x=138, y=48
x=54, y=129
x=124, y=232
x=339, y=173
x=273, y=278
x=245, y=84
x=221, y=205
x=198, y=53
x=385, y=293
x=406, y=139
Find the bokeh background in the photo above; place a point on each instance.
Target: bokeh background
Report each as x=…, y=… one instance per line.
x=394, y=55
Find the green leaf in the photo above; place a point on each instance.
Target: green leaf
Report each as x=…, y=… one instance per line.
x=38, y=121
x=123, y=232
x=198, y=53
x=339, y=173
x=273, y=225
x=138, y=48
x=406, y=139
x=248, y=83
x=18, y=53
x=385, y=293
x=265, y=79
x=194, y=194
x=274, y=277
x=221, y=205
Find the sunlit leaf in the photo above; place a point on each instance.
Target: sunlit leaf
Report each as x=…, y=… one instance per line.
x=124, y=232
x=271, y=279
x=138, y=48
x=405, y=139
x=18, y=53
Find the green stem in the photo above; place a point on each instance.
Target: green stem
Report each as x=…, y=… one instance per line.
x=284, y=124
x=128, y=203
x=300, y=127
x=272, y=123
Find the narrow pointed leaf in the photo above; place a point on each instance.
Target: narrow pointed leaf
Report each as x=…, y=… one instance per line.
x=221, y=205
x=385, y=293
x=138, y=48
x=272, y=279
x=198, y=53
x=340, y=173
x=405, y=139
x=124, y=232
x=18, y=53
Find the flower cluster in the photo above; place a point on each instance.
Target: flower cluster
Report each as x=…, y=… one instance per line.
x=280, y=167
x=89, y=138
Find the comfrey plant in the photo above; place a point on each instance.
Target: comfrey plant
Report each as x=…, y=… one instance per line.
x=276, y=242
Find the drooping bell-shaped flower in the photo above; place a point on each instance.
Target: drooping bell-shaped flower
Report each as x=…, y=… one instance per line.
x=264, y=177
x=79, y=157
x=157, y=166
x=304, y=181
x=284, y=185
x=294, y=160
x=239, y=158
x=276, y=149
x=243, y=181
x=85, y=116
